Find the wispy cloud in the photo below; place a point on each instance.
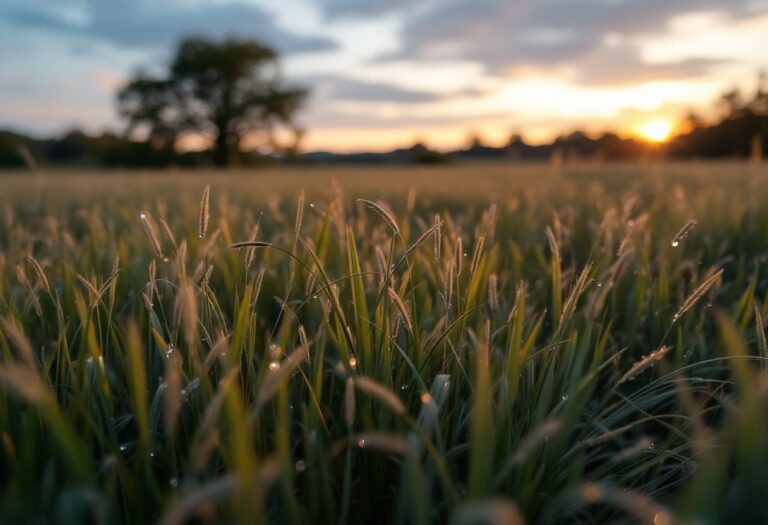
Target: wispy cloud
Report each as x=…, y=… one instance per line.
x=598, y=39
x=335, y=88
x=152, y=24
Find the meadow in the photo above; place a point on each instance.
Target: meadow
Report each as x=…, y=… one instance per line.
x=465, y=344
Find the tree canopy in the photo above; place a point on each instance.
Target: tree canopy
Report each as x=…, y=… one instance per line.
x=226, y=91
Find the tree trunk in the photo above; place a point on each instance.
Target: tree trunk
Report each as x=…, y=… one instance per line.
x=221, y=150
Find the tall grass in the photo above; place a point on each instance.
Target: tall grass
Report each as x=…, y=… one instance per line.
x=566, y=349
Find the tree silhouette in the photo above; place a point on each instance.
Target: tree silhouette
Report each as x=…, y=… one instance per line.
x=223, y=90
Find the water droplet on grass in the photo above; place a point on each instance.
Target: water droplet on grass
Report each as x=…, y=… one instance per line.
x=683, y=233
x=300, y=466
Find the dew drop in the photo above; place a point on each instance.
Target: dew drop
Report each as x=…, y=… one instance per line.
x=311, y=204
x=564, y=397
x=123, y=447
x=173, y=482
x=683, y=233
x=652, y=446
x=274, y=365
x=361, y=442
x=353, y=362
x=301, y=466
x=426, y=398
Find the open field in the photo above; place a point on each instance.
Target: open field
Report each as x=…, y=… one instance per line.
x=490, y=344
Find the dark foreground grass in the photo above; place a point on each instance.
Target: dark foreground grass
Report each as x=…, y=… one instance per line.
x=499, y=345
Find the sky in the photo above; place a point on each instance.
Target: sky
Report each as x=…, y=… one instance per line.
x=387, y=73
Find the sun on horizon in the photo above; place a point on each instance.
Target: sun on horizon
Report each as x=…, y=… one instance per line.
x=657, y=130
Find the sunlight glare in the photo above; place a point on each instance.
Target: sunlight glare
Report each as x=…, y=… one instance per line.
x=656, y=130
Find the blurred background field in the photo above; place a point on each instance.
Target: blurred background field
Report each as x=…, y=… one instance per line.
x=484, y=181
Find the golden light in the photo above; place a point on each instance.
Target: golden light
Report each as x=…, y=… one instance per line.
x=656, y=130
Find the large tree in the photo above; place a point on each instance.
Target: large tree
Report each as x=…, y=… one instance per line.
x=223, y=90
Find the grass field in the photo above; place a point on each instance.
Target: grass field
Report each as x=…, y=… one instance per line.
x=479, y=344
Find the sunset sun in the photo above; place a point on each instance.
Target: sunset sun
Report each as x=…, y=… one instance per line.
x=656, y=130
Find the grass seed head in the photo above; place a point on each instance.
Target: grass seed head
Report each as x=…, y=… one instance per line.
x=383, y=212
x=202, y=223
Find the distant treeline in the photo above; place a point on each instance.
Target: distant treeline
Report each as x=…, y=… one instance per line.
x=741, y=133
x=77, y=149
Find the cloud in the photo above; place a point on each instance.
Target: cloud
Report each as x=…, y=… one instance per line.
x=597, y=38
x=154, y=24
x=362, y=8
x=336, y=88
x=331, y=118
x=620, y=67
